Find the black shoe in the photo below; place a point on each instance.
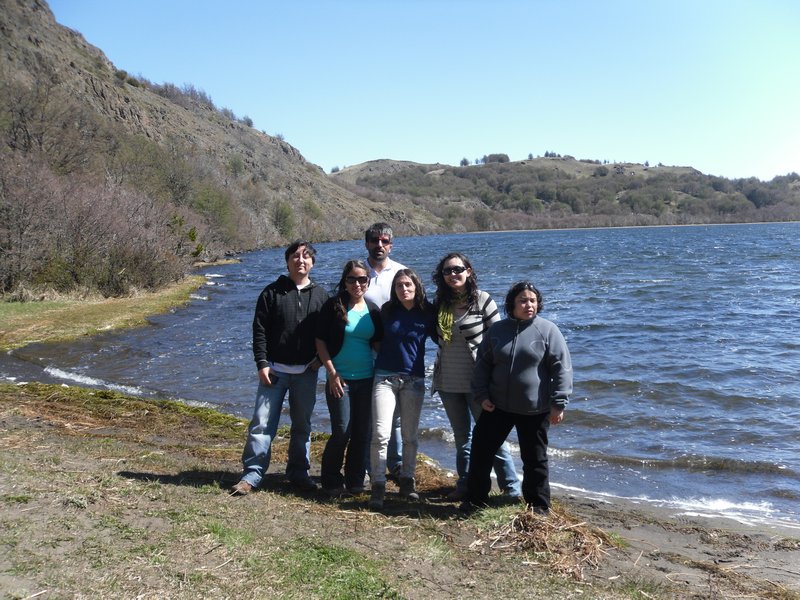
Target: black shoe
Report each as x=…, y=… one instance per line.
x=393, y=474
x=304, y=485
x=408, y=488
x=541, y=511
x=376, y=497
x=467, y=508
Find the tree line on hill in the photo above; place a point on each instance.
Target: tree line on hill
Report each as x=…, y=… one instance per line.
x=564, y=192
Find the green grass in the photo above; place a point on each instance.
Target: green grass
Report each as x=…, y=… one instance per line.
x=230, y=536
x=332, y=572
x=22, y=323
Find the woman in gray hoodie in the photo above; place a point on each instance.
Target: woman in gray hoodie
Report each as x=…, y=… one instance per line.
x=523, y=379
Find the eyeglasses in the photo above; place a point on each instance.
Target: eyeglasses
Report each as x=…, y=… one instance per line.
x=453, y=270
x=363, y=280
x=383, y=240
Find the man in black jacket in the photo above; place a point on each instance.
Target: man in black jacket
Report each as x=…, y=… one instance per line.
x=285, y=355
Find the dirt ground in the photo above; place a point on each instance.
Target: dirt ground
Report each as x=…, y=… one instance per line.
x=106, y=496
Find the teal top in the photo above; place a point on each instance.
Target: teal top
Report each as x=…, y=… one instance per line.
x=354, y=360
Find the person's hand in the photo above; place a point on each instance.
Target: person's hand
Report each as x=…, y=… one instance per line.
x=263, y=376
x=556, y=415
x=487, y=405
x=336, y=385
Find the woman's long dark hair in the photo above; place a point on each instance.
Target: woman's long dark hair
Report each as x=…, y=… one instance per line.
x=419, y=289
x=444, y=293
x=342, y=295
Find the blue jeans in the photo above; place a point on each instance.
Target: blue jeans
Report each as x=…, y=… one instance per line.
x=351, y=425
x=462, y=412
x=302, y=391
x=490, y=431
x=391, y=394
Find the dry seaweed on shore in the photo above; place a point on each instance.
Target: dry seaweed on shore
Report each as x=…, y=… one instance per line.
x=556, y=540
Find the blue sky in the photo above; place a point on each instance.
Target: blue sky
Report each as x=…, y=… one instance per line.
x=712, y=84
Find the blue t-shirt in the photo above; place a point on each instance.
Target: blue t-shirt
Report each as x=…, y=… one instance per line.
x=403, y=345
x=354, y=360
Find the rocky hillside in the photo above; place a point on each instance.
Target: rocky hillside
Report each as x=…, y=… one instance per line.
x=280, y=194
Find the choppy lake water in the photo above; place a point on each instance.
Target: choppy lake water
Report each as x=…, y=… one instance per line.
x=685, y=343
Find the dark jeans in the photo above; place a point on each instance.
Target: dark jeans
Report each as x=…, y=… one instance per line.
x=351, y=430
x=490, y=432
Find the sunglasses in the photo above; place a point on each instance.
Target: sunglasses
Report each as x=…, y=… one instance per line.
x=383, y=240
x=453, y=270
x=363, y=280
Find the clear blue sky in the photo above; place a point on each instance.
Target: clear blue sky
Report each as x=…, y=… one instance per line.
x=712, y=84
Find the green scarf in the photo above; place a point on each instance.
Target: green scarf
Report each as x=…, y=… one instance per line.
x=446, y=317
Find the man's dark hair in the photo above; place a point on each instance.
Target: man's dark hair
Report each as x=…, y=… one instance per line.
x=310, y=250
x=377, y=230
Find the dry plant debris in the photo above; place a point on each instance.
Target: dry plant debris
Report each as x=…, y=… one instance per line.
x=557, y=541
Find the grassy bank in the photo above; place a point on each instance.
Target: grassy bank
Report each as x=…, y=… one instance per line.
x=23, y=323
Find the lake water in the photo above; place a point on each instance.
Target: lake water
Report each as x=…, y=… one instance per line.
x=685, y=344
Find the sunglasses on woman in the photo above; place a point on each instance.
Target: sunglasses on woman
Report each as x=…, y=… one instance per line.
x=363, y=280
x=453, y=270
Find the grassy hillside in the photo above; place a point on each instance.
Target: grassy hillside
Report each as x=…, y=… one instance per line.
x=557, y=191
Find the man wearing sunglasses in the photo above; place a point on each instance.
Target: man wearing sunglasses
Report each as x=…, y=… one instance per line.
x=378, y=239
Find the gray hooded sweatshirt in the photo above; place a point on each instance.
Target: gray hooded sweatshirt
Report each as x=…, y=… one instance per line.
x=523, y=367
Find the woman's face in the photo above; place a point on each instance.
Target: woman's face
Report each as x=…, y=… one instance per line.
x=356, y=282
x=525, y=305
x=455, y=273
x=406, y=290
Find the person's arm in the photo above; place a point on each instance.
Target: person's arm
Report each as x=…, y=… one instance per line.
x=559, y=366
x=481, y=374
x=491, y=314
x=260, y=320
x=377, y=323
x=335, y=382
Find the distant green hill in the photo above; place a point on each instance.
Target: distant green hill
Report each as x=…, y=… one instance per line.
x=564, y=192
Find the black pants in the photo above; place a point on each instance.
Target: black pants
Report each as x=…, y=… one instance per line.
x=490, y=432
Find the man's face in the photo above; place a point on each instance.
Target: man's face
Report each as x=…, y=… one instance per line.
x=299, y=263
x=379, y=245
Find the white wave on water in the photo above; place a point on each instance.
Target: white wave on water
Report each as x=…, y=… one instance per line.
x=214, y=275
x=92, y=381
x=746, y=513
x=198, y=297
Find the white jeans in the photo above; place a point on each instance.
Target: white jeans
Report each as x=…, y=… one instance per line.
x=407, y=392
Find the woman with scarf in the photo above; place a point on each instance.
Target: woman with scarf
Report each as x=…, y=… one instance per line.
x=464, y=314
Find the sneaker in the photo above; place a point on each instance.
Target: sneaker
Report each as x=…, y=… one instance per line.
x=241, y=489
x=304, y=485
x=334, y=492
x=467, y=508
x=512, y=494
x=356, y=489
